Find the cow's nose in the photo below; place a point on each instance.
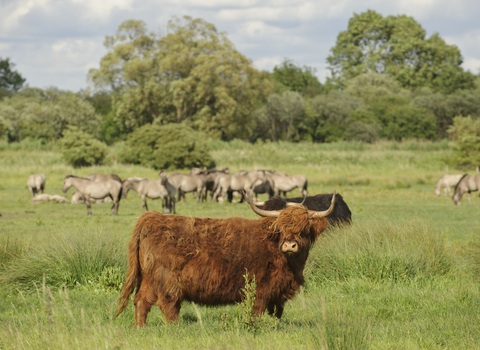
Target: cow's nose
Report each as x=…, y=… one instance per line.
x=290, y=247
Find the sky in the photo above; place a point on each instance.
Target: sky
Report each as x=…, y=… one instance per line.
x=56, y=42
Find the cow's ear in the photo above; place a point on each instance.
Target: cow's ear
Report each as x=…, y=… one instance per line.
x=317, y=226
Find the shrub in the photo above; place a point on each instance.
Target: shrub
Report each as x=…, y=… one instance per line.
x=409, y=122
x=167, y=146
x=81, y=149
x=465, y=132
x=79, y=256
x=379, y=250
x=358, y=131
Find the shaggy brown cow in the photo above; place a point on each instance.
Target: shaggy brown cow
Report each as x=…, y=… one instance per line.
x=175, y=258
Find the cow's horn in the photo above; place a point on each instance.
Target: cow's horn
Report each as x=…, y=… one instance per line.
x=293, y=204
x=321, y=214
x=261, y=212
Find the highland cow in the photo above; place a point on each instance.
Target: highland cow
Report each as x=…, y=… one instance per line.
x=203, y=260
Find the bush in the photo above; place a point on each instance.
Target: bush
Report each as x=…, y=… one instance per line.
x=380, y=251
x=409, y=122
x=80, y=256
x=167, y=146
x=81, y=149
x=465, y=132
x=358, y=131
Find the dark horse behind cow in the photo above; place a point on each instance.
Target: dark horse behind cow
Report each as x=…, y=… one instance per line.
x=341, y=214
x=176, y=258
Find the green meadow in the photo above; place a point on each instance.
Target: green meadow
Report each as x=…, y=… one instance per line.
x=404, y=276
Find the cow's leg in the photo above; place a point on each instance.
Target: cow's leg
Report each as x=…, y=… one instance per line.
x=259, y=307
x=469, y=198
x=275, y=308
x=170, y=307
x=143, y=301
x=31, y=191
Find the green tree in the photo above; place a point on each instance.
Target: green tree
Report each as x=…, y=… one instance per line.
x=371, y=86
x=280, y=116
x=446, y=107
x=81, y=149
x=38, y=114
x=297, y=79
x=409, y=122
x=193, y=74
x=102, y=102
x=10, y=80
x=167, y=146
x=397, y=46
x=465, y=132
x=329, y=116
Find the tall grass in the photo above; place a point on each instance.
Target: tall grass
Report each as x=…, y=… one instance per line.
x=380, y=250
x=28, y=144
x=10, y=249
x=72, y=257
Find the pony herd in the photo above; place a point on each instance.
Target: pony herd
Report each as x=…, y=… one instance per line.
x=463, y=184
x=222, y=186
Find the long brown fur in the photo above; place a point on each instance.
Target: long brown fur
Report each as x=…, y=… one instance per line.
x=176, y=258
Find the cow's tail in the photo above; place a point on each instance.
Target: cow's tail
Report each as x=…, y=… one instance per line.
x=134, y=275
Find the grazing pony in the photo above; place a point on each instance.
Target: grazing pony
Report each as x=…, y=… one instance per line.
x=468, y=183
x=447, y=181
x=95, y=190
x=146, y=189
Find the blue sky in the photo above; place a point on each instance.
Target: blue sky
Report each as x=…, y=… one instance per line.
x=55, y=43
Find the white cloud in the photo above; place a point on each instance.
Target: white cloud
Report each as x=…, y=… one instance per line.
x=102, y=8
x=473, y=65
x=12, y=13
x=267, y=63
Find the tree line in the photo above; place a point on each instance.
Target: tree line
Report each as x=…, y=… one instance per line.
x=389, y=80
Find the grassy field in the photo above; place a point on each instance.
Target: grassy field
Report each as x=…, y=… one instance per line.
x=404, y=276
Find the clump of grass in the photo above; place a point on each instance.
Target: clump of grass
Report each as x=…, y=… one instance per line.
x=10, y=249
x=380, y=250
x=77, y=256
x=341, y=328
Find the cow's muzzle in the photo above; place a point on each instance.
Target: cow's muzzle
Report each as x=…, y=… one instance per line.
x=290, y=247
